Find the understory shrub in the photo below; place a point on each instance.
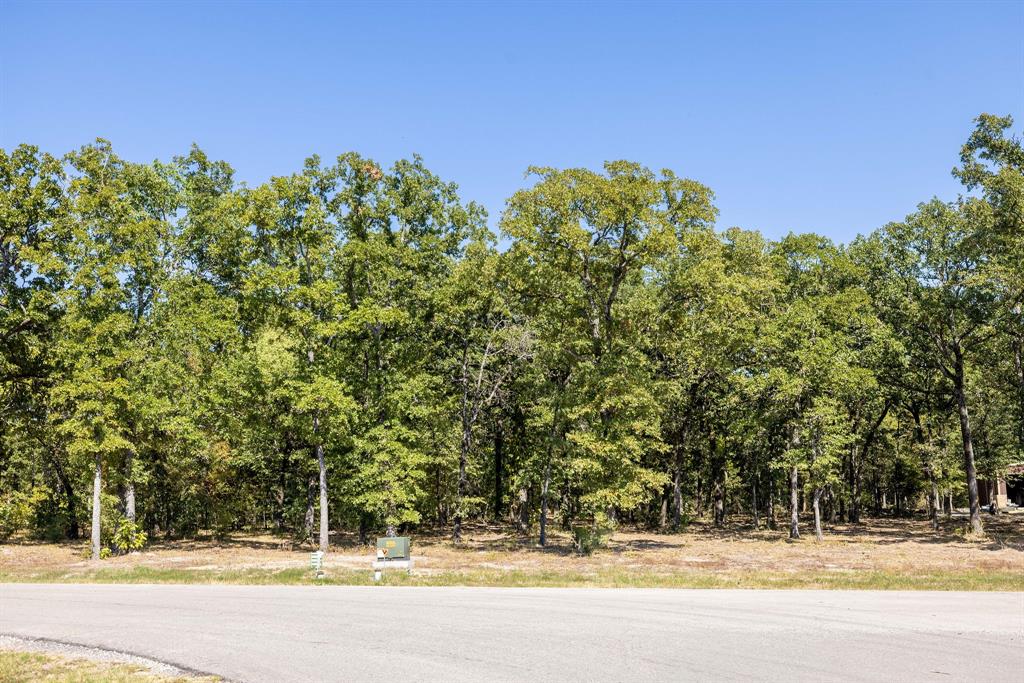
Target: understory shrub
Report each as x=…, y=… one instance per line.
x=586, y=538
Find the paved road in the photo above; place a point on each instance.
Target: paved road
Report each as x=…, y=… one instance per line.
x=294, y=633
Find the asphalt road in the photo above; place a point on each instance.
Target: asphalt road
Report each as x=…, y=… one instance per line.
x=293, y=633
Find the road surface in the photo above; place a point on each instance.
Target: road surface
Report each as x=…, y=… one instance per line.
x=333, y=633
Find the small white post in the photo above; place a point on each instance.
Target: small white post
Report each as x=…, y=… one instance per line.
x=316, y=563
x=378, y=566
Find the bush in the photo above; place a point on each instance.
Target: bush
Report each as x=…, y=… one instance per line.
x=586, y=538
x=128, y=536
x=86, y=552
x=118, y=536
x=15, y=512
x=684, y=520
x=36, y=511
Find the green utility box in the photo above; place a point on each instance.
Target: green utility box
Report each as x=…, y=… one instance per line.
x=393, y=547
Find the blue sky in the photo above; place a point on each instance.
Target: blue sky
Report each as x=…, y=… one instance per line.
x=831, y=117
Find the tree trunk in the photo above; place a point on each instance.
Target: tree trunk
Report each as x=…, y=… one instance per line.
x=524, y=510
x=72, y=530
x=499, y=471
x=719, y=491
x=753, y=503
x=794, y=503
x=794, y=489
x=325, y=535
x=464, y=445
x=719, y=474
x=307, y=522
x=97, y=485
x=849, y=512
x=853, y=512
x=677, y=491
x=460, y=489
x=1018, y=364
x=546, y=484
x=129, y=490
x=282, y=490
x=960, y=389
x=325, y=529
x=698, y=496
x=817, y=515
x=770, y=506
x=544, y=503
x=69, y=493
x=441, y=517
x=933, y=495
x=666, y=496
x=855, y=489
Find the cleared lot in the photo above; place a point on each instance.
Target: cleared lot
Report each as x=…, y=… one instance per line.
x=882, y=553
x=332, y=633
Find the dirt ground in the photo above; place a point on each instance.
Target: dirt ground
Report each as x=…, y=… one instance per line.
x=897, y=547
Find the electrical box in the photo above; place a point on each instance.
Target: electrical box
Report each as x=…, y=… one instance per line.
x=393, y=548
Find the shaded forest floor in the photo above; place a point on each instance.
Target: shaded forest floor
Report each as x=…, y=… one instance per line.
x=878, y=554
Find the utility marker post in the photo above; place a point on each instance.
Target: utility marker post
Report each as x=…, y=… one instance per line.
x=316, y=563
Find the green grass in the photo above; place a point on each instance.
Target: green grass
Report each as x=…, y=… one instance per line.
x=968, y=580
x=26, y=667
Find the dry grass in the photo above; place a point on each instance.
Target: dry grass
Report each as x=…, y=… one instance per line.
x=881, y=553
x=29, y=667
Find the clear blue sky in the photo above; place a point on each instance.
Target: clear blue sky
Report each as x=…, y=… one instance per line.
x=829, y=117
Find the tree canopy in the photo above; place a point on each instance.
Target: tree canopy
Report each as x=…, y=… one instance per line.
x=351, y=346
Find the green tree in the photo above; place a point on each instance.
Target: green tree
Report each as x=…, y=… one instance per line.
x=994, y=162
x=942, y=290
x=404, y=232
x=32, y=204
x=584, y=243
x=111, y=262
x=298, y=280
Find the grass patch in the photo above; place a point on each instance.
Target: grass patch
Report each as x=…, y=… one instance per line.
x=29, y=667
x=880, y=554
x=946, y=580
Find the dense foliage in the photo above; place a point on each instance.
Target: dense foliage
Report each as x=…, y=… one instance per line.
x=182, y=352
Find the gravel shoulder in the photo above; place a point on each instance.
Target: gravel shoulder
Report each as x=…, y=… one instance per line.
x=63, y=661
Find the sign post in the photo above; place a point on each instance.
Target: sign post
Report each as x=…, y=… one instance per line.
x=316, y=563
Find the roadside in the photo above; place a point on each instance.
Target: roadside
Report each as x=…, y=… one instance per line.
x=27, y=660
x=880, y=554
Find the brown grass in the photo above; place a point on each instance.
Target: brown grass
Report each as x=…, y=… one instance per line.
x=881, y=553
x=34, y=667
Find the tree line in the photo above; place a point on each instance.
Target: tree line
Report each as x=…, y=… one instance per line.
x=352, y=347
